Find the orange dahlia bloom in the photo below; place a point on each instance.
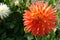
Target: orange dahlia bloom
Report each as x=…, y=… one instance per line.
x=40, y=19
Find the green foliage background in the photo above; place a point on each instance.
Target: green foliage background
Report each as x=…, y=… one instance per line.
x=12, y=28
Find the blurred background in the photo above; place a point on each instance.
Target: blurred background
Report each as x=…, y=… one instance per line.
x=12, y=28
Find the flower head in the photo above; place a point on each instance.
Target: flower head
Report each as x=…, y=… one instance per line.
x=4, y=10
x=41, y=19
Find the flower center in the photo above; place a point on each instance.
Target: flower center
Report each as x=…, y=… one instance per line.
x=38, y=17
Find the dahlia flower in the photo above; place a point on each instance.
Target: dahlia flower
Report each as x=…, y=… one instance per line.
x=40, y=19
x=4, y=10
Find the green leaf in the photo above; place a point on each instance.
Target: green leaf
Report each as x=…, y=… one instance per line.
x=46, y=37
x=9, y=39
x=58, y=14
x=38, y=38
x=52, y=36
x=58, y=25
x=50, y=2
x=53, y=2
x=1, y=30
x=19, y=38
x=42, y=38
x=57, y=34
x=29, y=36
x=16, y=30
x=4, y=35
x=56, y=1
x=10, y=25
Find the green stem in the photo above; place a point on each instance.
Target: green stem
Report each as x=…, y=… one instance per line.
x=35, y=37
